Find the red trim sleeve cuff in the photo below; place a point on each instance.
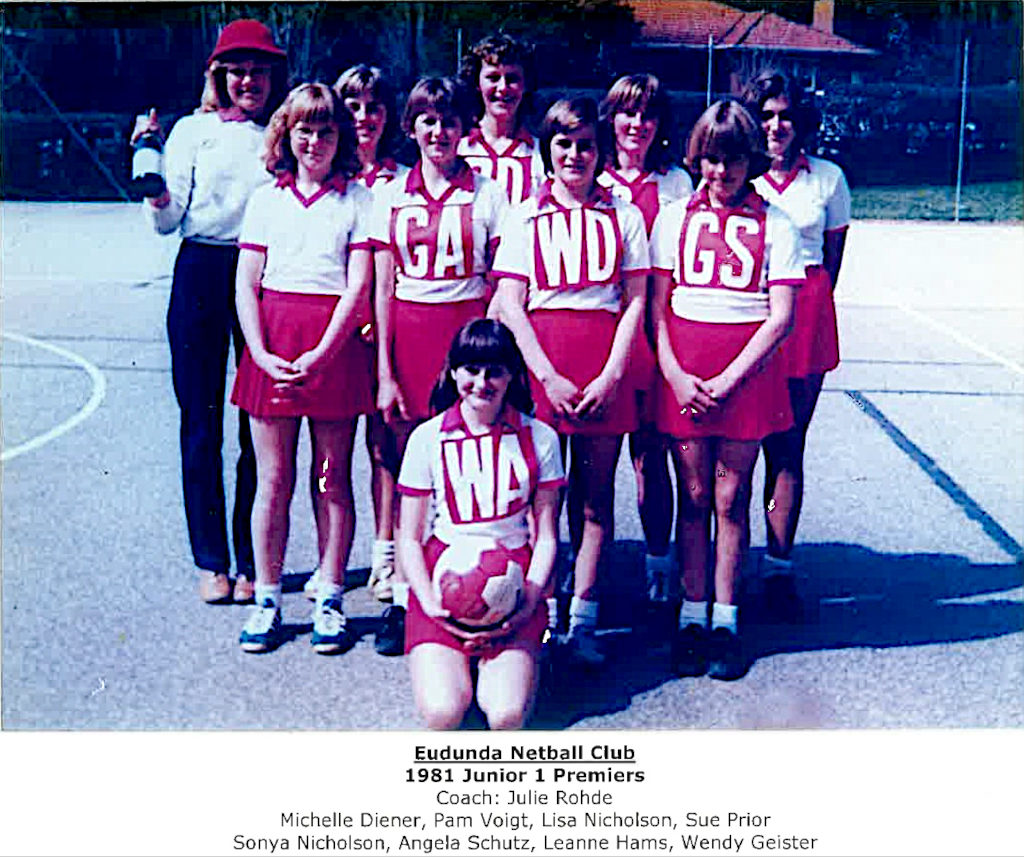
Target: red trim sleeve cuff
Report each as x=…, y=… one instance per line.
x=409, y=491
x=499, y=275
x=246, y=245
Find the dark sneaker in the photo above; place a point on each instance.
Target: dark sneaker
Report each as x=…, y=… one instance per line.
x=262, y=631
x=727, y=658
x=330, y=632
x=390, y=638
x=581, y=647
x=690, y=651
x=781, y=600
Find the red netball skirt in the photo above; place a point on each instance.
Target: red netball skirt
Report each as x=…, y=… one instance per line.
x=421, y=628
x=423, y=335
x=643, y=368
x=755, y=409
x=577, y=342
x=337, y=389
x=812, y=347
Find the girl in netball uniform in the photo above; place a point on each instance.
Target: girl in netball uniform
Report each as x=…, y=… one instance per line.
x=484, y=404
x=572, y=278
x=814, y=193
x=367, y=96
x=435, y=230
x=637, y=112
x=725, y=268
x=499, y=70
x=304, y=270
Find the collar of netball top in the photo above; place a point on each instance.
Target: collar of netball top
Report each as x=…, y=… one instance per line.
x=751, y=200
x=509, y=418
x=801, y=163
x=463, y=179
x=476, y=135
x=600, y=195
x=383, y=167
x=233, y=114
x=336, y=182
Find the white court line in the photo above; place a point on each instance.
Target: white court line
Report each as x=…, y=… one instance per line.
x=99, y=390
x=942, y=327
x=953, y=333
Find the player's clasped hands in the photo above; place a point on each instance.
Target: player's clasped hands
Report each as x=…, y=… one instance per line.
x=596, y=397
x=694, y=394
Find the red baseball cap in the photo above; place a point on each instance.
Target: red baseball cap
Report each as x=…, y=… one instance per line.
x=245, y=34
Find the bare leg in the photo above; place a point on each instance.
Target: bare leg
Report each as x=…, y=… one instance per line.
x=592, y=479
x=654, y=489
x=784, y=468
x=441, y=685
x=694, y=481
x=274, y=442
x=733, y=468
x=506, y=687
x=332, y=460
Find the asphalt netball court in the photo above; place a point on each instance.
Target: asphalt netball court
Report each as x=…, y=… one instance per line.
x=910, y=543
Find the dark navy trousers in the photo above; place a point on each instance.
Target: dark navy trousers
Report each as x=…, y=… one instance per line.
x=201, y=323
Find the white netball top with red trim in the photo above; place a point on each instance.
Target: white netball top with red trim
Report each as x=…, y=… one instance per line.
x=816, y=197
x=481, y=485
x=723, y=260
x=518, y=168
x=573, y=258
x=383, y=173
x=442, y=247
x=648, y=191
x=212, y=165
x=307, y=241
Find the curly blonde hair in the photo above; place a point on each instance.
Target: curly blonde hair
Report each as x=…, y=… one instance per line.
x=310, y=102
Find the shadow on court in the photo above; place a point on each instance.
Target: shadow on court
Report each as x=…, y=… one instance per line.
x=854, y=598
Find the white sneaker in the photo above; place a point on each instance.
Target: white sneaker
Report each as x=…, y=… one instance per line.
x=581, y=647
x=262, y=631
x=312, y=586
x=330, y=631
x=382, y=570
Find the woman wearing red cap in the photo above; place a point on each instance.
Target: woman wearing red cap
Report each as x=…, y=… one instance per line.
x=212, y=165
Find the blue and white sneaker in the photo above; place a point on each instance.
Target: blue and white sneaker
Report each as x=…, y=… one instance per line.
x=262, y=631
x=330, y=631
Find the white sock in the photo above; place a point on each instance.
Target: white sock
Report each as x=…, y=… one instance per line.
x=268, y=592
x=327, y=589
x=693, y=613
x=383, y=549
x=400, y=594
x=582, y=614
x=552, y=613
x=772, y=565
x=724, y=616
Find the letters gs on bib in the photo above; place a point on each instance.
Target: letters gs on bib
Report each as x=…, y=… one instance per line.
x=434, y=242
x=577, y=248
x=722, y=250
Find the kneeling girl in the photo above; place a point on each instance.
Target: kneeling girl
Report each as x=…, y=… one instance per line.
x=512, y=467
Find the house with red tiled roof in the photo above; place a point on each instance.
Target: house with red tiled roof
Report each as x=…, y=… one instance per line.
x=680, y=39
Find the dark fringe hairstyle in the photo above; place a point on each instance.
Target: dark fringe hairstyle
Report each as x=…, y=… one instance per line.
x=217, y=70
x=770, y=84
x=483, y=342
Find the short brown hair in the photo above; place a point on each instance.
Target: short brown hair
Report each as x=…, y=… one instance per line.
x=499, y=49
x=770, y=84
x=310, y=102
x=441, y=94
x=570, y=114
x=642, y=92
x=726, y=129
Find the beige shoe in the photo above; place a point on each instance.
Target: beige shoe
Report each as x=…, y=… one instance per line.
x=214, y=587
x=245, y=590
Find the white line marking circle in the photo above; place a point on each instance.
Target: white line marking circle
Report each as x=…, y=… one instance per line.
x=99, y=390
